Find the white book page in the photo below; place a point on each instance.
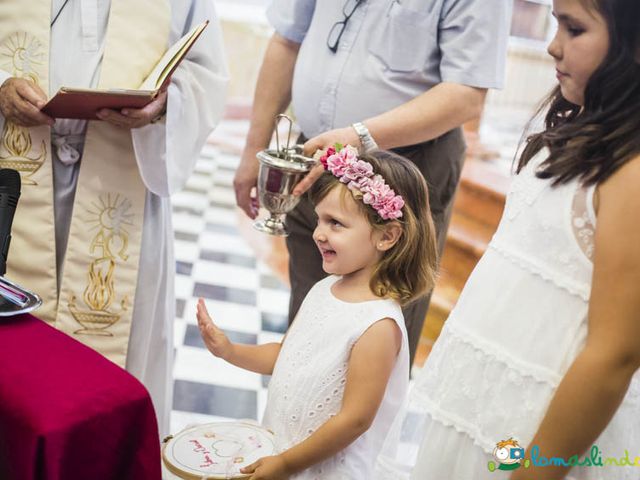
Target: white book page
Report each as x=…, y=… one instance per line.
x=173, y=54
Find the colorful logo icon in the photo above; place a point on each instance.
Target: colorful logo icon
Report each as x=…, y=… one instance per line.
x=509, y=455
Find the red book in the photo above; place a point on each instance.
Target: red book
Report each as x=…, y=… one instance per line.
x=84, y=103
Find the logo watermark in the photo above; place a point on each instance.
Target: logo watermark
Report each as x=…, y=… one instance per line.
x=510, y=456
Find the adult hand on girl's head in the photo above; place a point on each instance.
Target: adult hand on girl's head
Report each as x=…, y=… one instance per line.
x=214, y=338
x=268, y=468
x=344, y=136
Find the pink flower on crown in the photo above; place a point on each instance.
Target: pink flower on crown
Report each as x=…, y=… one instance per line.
x=359, y=184
x=343, y=162
x=374, y=190
x=392, y=209
x=350, y=153
x=356, y=170
x=382, y=198
x=336, y=164
x=330, y=151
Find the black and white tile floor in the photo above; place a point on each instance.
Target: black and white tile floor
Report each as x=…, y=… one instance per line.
x=215, y=262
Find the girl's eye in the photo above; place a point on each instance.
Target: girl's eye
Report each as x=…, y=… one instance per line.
x=335, y=222
x=575, y=31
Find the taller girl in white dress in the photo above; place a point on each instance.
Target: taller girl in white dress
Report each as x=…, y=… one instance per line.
x=341, y=373
x=535, y=370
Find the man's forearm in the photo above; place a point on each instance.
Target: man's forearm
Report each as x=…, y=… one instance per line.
x=273, y=89
x=435, y=112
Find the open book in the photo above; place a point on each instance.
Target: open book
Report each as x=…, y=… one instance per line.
x=86, y=102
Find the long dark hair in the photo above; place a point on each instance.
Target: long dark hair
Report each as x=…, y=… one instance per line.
x=593, y=141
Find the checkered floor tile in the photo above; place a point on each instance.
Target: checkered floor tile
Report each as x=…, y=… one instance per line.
x=215, y=262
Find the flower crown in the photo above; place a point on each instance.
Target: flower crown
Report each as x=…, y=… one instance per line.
x=342, y=162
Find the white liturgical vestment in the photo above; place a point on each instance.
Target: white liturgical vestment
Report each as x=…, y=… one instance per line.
x=165, y=152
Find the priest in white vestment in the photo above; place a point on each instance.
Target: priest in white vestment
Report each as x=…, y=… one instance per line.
x=167, y=137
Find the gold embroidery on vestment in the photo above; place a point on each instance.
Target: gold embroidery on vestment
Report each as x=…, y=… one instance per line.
x=21, y=54
x=110, y=244
x=15, y=148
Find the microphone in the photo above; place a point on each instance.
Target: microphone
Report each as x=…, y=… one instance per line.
x=9, y=195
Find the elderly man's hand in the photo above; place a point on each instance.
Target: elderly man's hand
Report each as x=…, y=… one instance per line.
x=245, y=181
x=21, y=101
x=136, y=117
x=345, y=136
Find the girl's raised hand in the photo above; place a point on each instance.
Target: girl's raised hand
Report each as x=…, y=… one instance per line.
x=214, y=338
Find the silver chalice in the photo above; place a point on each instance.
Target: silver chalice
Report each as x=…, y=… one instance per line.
x=280, y=171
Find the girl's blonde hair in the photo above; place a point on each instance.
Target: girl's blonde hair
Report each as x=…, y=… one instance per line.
x=408, y=269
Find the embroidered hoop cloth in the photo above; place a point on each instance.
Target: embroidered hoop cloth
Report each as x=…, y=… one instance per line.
x=216, y=450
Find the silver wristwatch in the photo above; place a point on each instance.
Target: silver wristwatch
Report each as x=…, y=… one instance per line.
x=366, y=140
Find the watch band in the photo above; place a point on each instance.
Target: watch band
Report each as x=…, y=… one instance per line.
x=366, y=140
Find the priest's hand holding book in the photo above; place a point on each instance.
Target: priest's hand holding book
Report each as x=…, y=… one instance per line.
x=136, y=117
x=21, y=101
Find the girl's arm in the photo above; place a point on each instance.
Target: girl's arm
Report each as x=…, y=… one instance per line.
x=257, y=358
x=370, y=365
x=595, y=384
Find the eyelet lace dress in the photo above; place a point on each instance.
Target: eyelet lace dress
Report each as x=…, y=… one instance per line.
x=519, y=323
x=309, y=379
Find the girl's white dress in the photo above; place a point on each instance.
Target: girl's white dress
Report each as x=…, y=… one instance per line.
x=517, y=327
x=309, y=378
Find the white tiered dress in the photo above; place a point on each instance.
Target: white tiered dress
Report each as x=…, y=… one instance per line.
x=517, y=327
x=309, y=379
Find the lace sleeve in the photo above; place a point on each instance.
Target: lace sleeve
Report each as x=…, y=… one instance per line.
x=583, y=219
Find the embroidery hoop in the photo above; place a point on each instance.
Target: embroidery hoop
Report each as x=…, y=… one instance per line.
x=184, y=454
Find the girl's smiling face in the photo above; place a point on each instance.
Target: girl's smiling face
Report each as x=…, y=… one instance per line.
x=580, y=45
x=346, y=240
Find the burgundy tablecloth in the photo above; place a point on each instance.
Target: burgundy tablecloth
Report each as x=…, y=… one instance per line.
x=68, y=413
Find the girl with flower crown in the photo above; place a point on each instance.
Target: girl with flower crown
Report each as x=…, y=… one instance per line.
x=341, y=373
